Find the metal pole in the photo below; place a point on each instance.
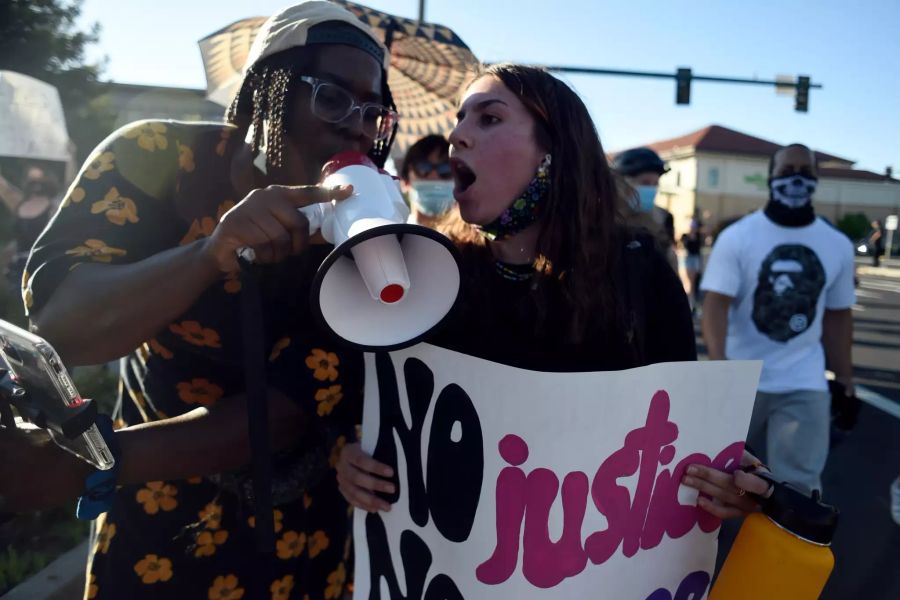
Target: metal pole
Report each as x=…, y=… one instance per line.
x=421, y=11
x=660, y=75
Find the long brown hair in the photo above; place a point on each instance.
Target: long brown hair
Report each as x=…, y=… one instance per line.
x=579, y=243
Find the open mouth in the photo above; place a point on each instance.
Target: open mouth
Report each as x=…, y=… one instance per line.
x=463, y=176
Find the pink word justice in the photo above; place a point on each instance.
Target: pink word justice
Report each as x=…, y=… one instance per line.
x=637, y=522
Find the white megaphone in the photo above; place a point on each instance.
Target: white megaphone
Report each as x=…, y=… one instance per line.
x=387, y=283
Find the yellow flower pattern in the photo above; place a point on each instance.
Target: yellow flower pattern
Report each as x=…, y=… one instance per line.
x=187, y=534
x=317, y=543
x=153, y=569
x=104, y=537
x=225, y=587
x=194, y=333
x=290, y=545
x=281, y=588
x=150, y=136
x=118, y=209
x=185, y=157
x=98, y=165
x=323, y=364
x=207, y=542
x=76, y=196
x=159, y=349
x=199, y=391
x=336, y=581
x=96, y=250
x=336, y=451
x=200, y=228
x=280, y=345
x=92, y=587
x=327, y=399
x=211, y=515
x=277, y=517
x=158, y=495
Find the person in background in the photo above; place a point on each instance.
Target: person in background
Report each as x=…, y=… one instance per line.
x=693, y=242
x=641, y=169
x=32, y=208
x=141, y=262
x=876, y=243
x=427, y=181
x=778, y=288
x=544, y=277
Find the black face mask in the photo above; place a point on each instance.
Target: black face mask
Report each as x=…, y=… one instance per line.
x=790, y=200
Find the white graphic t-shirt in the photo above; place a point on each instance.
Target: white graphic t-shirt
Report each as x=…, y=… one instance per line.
x=782, y=279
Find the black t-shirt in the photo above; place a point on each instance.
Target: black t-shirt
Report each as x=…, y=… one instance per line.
x=504, y=330
x=693, y=244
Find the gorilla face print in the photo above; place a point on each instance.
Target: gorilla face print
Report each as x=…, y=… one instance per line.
x=791, y=279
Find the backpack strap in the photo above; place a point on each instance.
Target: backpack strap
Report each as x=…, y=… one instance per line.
x=634, y=262
x=253, y=339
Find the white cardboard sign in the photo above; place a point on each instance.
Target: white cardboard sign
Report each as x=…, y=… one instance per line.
x=31, y=119
x=530, y=485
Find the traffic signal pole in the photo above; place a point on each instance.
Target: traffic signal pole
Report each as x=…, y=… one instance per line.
x=684, y=77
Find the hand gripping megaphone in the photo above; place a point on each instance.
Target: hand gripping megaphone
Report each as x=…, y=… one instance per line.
x=387, y=283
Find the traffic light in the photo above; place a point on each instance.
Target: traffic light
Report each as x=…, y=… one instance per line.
x=801, y=98
x=683, y=86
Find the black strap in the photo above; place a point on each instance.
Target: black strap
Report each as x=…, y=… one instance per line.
x=258, y=429
x=633, y=267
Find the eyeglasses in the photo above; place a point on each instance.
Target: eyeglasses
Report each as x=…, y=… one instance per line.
x=333, y=104
x=423, y=168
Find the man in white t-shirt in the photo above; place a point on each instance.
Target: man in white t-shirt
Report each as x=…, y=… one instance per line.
x=779, y=287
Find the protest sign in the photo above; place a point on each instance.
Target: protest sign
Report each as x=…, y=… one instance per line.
x=529, y=485
x=31, y=119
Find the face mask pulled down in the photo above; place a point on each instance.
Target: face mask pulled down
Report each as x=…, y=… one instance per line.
x=524, y=211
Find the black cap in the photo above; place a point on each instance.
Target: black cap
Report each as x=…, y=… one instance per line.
x=637, y=161
x=338, y=32
x=805, y=516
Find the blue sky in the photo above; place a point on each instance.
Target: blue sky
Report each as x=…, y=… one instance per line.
x=853, y=49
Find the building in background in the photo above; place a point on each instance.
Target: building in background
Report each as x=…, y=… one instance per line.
x=131, y=102
x=723, y=173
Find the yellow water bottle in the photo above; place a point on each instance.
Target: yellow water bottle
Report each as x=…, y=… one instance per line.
x=783, y=553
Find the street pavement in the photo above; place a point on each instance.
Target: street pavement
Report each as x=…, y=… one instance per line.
x=861, y=468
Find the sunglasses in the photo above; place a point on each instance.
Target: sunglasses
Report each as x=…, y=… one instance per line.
x=423, y=168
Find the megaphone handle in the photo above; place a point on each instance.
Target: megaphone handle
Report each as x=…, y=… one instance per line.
x=316, y=214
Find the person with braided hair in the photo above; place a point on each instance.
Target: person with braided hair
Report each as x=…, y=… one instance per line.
x=141, y=262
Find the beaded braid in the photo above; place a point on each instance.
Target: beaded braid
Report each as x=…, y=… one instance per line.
x=382, y=149
x=263, y=96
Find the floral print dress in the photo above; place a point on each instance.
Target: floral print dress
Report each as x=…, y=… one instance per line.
x=152, y=186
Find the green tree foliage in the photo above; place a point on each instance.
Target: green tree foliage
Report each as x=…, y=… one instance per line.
x=41, y=38
x=854, y=225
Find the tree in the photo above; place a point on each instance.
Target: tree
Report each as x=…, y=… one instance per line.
x=41, y=38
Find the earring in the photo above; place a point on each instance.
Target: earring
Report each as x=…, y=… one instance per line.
x=545, y=164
